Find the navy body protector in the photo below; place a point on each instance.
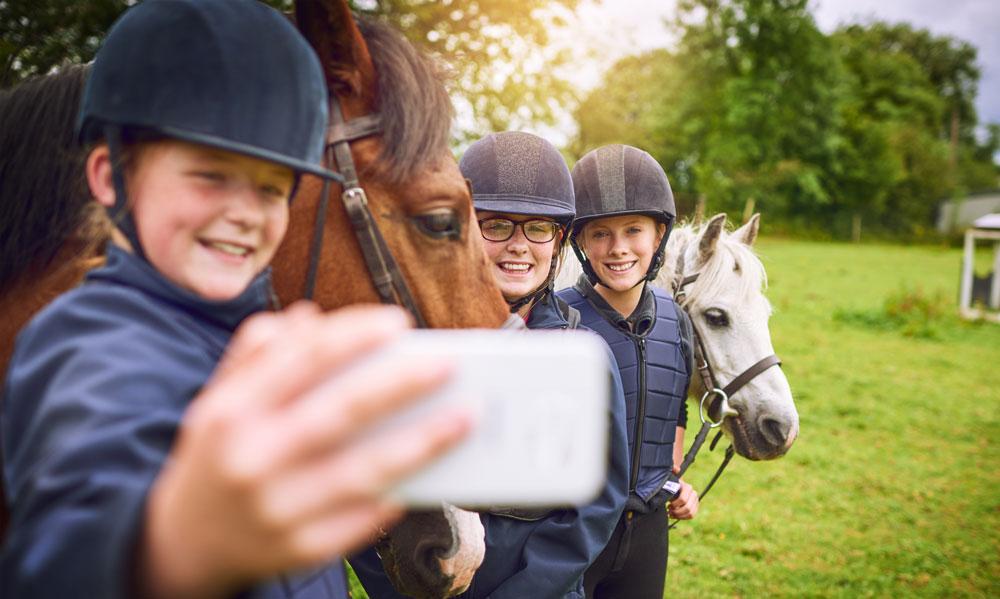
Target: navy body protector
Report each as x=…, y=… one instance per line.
x=655, y=373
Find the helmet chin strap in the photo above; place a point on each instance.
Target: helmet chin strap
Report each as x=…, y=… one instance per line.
x=539, y=291
x=546, y=286
x=120, y=214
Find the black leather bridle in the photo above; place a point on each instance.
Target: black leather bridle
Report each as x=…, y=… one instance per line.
x=719, y=395
x=382, y=266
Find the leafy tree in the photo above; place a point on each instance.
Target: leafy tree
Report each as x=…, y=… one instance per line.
x=767, y=86
x=503, y=70
x=755, y=102
x=503, y=74
x=949, y=65
x=38, y=35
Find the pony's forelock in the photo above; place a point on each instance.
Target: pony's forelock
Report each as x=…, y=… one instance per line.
x=714, y=277
x=415, y=106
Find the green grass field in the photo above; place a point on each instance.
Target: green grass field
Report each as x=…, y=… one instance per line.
x=893, y=487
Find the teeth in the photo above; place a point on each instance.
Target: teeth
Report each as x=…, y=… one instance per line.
x=621, y=267
x=229, y=248
x=515, y=267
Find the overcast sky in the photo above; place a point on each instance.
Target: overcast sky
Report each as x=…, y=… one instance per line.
x=624, y=26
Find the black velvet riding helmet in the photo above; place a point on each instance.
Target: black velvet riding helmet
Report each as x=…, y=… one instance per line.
x=520, y=173
x=616, y=180
x=229, y=74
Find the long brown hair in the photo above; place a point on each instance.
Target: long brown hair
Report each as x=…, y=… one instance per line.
x=44, y=199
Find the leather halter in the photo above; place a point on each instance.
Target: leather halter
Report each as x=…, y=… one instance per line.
x=382, y=266
x=720, y=403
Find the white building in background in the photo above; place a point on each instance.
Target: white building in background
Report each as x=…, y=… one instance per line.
x=958, y=215
x=979, y=297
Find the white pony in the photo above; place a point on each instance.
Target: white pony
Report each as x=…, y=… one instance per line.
x=728, y=309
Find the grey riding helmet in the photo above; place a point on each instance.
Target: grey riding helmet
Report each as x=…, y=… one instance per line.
x=232, y=75
x=616, y=180
x=520, y=173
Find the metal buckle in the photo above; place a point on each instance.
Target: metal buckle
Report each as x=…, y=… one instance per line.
x=355, y=193
x=726, y=410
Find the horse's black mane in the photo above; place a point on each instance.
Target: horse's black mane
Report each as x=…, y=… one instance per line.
x=43, y=192
x=415, y=106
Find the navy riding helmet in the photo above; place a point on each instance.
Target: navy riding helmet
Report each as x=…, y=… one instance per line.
x=233, y=75
x=615, y=180
x=521, y=173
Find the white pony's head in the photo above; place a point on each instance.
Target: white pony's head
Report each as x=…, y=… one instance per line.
x=728, y=308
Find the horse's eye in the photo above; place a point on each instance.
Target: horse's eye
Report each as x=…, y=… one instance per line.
x=441, y=223
x=716, y=317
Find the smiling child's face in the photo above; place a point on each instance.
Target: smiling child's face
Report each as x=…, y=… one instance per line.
x=519, y=266
x=209, y=220
x=620, y=248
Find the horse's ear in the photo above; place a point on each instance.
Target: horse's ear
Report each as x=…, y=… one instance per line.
x=710, y=237
x=329, y=27
x=747, y=234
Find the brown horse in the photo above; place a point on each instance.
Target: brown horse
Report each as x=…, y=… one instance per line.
x=419, y=200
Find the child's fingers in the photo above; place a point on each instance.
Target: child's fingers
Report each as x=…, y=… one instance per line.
x=349, y=403
x=305, y=354
x=257, y=332
x=686, y=505
x=328, y=416
x=365, y=470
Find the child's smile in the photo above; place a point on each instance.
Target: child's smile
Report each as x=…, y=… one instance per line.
x=620, y=249
x=209, y=220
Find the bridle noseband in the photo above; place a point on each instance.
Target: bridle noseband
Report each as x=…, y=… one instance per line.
x=382, y=266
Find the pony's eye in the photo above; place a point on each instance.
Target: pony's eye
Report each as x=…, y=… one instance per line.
x=716, y=317
x=441, y=223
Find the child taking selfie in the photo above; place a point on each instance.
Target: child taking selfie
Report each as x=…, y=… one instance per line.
x=163, y=435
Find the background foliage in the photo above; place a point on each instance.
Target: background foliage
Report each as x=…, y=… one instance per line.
x=502, y=70
x=873, y=123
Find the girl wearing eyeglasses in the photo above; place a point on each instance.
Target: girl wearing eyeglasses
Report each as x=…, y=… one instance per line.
x=523, y=195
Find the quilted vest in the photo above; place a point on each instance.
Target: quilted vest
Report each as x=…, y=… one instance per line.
x=654, y=376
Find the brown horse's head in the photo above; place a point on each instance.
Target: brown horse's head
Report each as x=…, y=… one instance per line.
x=418, y=197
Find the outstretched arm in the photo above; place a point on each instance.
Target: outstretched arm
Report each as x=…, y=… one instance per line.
x=269, y=473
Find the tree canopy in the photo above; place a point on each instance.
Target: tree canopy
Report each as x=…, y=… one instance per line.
x=502, y=71
x=873, y=122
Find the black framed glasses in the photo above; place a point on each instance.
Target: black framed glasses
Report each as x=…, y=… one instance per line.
x=535, y=230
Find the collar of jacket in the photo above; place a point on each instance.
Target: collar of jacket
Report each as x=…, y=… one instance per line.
x=124, y=268
x=549, y=312
x=640, y=321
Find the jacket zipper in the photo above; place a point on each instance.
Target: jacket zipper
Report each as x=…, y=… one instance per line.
x=640, y=415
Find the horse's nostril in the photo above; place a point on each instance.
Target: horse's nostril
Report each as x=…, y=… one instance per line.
x=774, y=430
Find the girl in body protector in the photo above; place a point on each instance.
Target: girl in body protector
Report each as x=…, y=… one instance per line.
x=523, y=195
x=625, y=210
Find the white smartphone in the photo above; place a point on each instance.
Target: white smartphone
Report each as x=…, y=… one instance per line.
x=541, y=400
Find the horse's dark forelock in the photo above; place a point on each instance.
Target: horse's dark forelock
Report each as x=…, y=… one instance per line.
x=416, y=110
x=43, y=192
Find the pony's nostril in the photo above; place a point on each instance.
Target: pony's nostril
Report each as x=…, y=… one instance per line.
x=774, y=430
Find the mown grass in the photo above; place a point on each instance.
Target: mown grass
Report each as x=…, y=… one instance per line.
x=892, y=487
